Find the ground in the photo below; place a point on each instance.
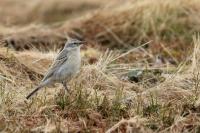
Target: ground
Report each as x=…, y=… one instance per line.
x=140, y=66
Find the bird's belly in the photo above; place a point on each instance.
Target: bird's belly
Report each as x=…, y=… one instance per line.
x=68, y=70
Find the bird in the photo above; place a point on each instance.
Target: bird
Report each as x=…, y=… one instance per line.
x=64, y=67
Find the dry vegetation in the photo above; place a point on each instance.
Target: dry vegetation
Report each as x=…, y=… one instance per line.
x=129, y=87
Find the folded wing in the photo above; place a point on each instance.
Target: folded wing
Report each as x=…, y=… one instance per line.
x=60, y=59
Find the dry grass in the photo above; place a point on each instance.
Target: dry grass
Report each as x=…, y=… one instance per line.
x=149, y=88
x=48, y=12
x=98, y=99
x=168, y=23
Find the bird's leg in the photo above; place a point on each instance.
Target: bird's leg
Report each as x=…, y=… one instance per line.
x=65, y=86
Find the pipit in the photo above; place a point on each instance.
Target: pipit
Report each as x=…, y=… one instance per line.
x=64, y=67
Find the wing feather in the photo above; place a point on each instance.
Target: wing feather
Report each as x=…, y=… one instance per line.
x=60, y=59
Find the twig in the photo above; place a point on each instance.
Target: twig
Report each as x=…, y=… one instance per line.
x=2, y=77
x=113, y=128
x=124, y=54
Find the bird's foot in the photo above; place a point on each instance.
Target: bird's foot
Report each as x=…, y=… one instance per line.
x=66, y=87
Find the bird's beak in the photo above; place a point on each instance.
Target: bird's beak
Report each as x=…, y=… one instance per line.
x=81, y=43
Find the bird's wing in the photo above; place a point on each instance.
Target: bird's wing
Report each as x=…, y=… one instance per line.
x=60, y=59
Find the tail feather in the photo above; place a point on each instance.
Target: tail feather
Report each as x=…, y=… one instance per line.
x=33, y=92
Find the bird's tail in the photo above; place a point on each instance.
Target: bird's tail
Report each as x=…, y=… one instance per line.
x=33, y=92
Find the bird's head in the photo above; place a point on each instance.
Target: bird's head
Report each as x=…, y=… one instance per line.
x=72, y=44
